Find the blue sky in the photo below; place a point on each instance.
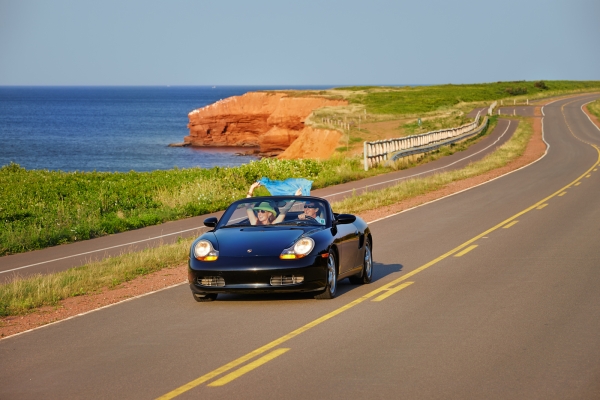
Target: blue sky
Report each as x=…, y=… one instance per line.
x=260, y=42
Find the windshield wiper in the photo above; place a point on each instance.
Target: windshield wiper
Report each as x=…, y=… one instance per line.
x=236, y=225
x=299, y=222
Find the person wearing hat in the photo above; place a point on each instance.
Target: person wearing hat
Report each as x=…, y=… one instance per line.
x=312, y=210
x=264, y=213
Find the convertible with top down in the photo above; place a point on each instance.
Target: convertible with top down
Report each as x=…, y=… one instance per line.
x=279, y=244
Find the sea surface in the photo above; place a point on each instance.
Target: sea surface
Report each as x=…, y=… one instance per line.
x=109, y=128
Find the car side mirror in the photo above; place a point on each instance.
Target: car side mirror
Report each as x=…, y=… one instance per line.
x=211, y=222
x=342, y=219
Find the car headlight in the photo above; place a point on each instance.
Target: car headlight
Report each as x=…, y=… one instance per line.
x=204, y=251
x=300, y=249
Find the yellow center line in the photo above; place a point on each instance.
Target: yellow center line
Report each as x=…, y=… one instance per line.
x=577, y=184
x=390, y=292
x=386, y=287
x=542, y=206
x=465, y=251
x=587, y=176
x=248, y=367
x=511, y=224
x=562, y=194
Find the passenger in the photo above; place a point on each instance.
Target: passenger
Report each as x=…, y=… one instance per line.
x=312, y=210
x=265, y=213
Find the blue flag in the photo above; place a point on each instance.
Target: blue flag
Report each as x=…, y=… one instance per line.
x=287, y=187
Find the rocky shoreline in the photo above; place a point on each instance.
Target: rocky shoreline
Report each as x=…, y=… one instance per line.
x=270, y=121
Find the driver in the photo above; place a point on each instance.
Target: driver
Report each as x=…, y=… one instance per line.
x=312, y=211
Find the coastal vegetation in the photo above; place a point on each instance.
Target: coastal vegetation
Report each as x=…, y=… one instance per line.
x=41, y=208
x=20, y=296
x=380, y=112
x=425, y=99
x=594, y=108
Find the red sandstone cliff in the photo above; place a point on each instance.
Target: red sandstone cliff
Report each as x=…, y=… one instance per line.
x=271, y=121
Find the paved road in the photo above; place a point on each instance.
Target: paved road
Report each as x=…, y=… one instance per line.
x=491, y=293
x=60, y=258
x=526, y=111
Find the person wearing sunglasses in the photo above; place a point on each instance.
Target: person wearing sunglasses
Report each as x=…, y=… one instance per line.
x=264, y=213
x=312, y=211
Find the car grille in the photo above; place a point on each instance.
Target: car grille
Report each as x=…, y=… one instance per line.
x=279, y=280
x=211, y=281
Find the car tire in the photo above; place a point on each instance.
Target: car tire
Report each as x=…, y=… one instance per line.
x=331, y=287
x=201, y=298
x=366, y=275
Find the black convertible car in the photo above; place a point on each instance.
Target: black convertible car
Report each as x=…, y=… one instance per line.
x=280, y=244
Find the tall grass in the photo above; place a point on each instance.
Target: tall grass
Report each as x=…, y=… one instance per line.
x=22, y=295
x=40, y=208
x=594, y=108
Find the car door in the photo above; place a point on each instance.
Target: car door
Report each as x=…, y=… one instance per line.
x=347, y=242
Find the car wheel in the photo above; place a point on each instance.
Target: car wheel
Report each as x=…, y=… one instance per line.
x=366, y=275
x=329, y=292
x=204, y=297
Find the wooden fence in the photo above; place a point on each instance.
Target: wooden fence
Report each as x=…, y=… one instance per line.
x=380, y=151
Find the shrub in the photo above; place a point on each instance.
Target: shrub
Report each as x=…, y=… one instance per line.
x=515, y=91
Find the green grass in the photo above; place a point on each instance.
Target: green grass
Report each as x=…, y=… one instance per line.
x=594, y=108
x=426, y=99
x=40, y=208
x=23, y=295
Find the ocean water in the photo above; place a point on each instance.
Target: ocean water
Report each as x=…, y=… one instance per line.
x=109, y=128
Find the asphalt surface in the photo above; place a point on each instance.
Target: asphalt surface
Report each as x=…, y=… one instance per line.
x=526, y=111
x=60, y=258
x=516, y=317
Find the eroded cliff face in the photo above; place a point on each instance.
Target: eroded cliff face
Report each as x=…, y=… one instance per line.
x=270, y=121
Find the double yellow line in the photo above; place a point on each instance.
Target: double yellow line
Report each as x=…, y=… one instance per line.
x=382, y=293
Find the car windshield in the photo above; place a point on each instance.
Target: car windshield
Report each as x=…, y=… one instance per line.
x=275, y=211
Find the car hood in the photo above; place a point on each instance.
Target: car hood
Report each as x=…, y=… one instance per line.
x=256, y=241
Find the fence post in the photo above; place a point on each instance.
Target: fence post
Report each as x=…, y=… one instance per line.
x=365, y=156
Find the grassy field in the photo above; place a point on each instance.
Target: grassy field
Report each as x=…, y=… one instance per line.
x=375, y=108
x=594, y=108
x=41, y=208
x=426, y=99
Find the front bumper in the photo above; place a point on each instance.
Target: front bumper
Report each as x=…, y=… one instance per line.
x=254, y=274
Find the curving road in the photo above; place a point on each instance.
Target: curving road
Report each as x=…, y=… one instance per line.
x=491, y=293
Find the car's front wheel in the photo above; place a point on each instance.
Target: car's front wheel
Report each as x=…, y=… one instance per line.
x=204, y=297
x=331, y=288
x=366, y=275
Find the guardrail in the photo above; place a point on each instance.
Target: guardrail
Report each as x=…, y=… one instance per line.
x=382, y=151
